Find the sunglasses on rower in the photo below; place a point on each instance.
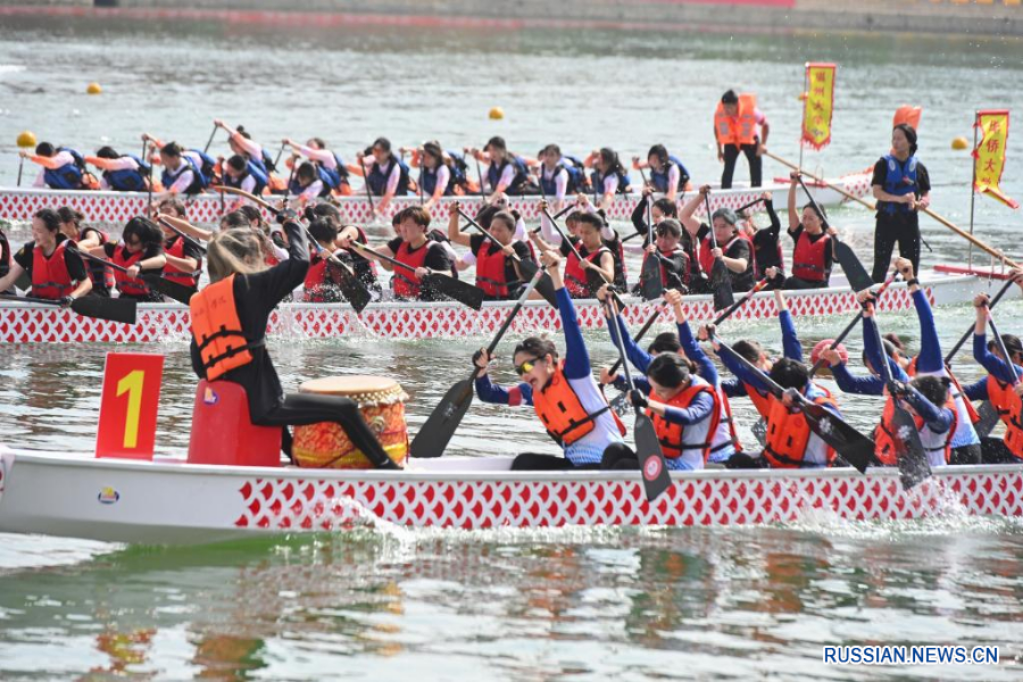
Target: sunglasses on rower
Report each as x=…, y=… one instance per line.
x=527, y=366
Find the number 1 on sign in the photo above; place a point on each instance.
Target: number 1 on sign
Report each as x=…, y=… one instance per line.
x=132, y=384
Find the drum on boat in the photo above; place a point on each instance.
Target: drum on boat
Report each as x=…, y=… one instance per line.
x=381, y=403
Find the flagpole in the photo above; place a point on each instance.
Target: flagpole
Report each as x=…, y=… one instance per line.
x=973, y=183
x=806, y=99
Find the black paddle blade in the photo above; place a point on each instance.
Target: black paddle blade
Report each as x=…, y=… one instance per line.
x=178, y=292
x=458, y=290
x=656, y=478
x=859, y=278
x=440, y=426
x=913, y=465
x=545, y=287
x=650, y=279
x=113, y=309
x=355, y=292
x=849, y=443
x=721, y=284
x=988, y=419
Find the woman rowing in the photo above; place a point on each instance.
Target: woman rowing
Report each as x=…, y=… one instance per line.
x=608, y=177
x=734, y=250
x=673, y=266
x=506, y=172
x=140, y=250
x=5, y=260
x=121, y=172
x=723, y=441
x=814, y=251
x=184, y=171
x=667, y=174
x=386, y=175
x=241, y=143
x=597, y=267
x=767, y=251
x=53, y=265
x=660, y=210
x=306, y=184
x=347, y=237
x=86, y=237
x=184, y=259
x=330, y=168
x=965, y=444
x=441, y=173
x=229, y=319
x=323, y=280
x=62, y=167
x=425, y=256
x=559, y=176
x=564, y=395
x=498, y=265
x=242, y=173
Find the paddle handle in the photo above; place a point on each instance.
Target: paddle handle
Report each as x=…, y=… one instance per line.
x=21, y=166
x=969, y=332
x=191, y=240
x=813, y=202
x=759, y=200
x=757, y=288
x=103, y=261
x=510, y=317
x=213, y=133
x=387, y=259
x=619, y=342
x=710, y=220
x=849, y=327
x=486, y=234
x=479, y=174
x=1001, y=347
x=365, y=181
x=31, y=299
x=639, y=335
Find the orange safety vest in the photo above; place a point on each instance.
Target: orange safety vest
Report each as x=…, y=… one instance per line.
x=738, y=130
x=760, y=401
x=1010, y=410
x=722, y=438
x=562, y=413
x=788, y=434
x=884, y=443
x=218, y=331
x=677, y=438
x=956, y=390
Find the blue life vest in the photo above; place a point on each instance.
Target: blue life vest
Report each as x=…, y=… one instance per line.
x=198, y=179
x=68, y=176
x=598, y=182
x=208, y=168
x=252, y=170
x=659, y=179
x=494, y=173
x=333, y=177
x=378, y=178
x=900, y=181
x=428, y=178
x=296, y=188
x=459, y=169
x=129, y=179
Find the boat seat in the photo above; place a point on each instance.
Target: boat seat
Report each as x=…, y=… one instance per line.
x=223, y=432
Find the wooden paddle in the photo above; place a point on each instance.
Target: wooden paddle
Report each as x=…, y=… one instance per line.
x=188, y=238
x=460, y=291
x=852, y=324
x=720, y=279
x=179, y=292
x=99, y=307
x=440, y=426
x=909, y=451
x=859, y=278
x=369, y=191
x=656, y=478
x=944, y=221
x=528, y=268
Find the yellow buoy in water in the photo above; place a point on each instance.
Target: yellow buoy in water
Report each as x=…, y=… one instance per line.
x=960, y=143
x=496, y=113
x=26, y=139
x=93, y=89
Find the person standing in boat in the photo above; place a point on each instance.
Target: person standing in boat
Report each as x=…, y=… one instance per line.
x=229, y=319
x=121, y=172
x=734, y=249
x=814, y=252
x=416, y=249
x=902, y=187
x=86, y=237
x=667, y=174
x=388, y=176
x=498, y=274
x=329, y=166
x=735, y=128
x=62, y=167
x=141, y=249
x=54, y=266
x=563, y=393
x=608, y=177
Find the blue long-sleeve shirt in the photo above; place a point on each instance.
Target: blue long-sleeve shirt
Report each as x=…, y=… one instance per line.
x=639, y=358
x=691, y=347
x=699, y=409
x=977, y=390
x=995, y=366
x=791, y=346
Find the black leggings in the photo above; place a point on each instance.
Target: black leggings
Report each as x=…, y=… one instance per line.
x=995, y=452
x=301, y=409
x=903, y=229
x=756, y=164
x=530, y=461
x=966, y=454
x=794, y=282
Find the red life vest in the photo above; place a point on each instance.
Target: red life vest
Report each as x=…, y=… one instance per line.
x=809, y=258
x=676, y=439
x=1010, y=411
x=563, y=414
x=127, y=285
x=175, y=246
x=315, y=280
x=50, y=276
x=686, y=273
x=491, y=275
x=575, y=276
x=788, y=435
x=406, y=283
x=707, y=258
x=884, y=444
x=101, y=275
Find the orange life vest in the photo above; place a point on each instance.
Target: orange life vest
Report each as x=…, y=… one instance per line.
x=760, y=401
x=788, y=434
x=884, y=444
x=218, y=331
x=677, y=438
x=562, y=413
x=740, y=129
x=175, y=246
x=1010, y=411
x=725, y=434
x=50, y=277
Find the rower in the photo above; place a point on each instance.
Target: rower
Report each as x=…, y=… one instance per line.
x=414, y=248
x=441, y=173
x=57, y=272
x=608, y=177
x=121, y=172
x=766, y=244
x=323, y=280
x=506, y=172
x=567, y=400
x=229, y=320
x=241, y=143
x=141, y=249
x=1001, y=386
x=388, y=176
x=814, y=251
x=735, y=129
x=245, y=175
x=306, y=184
x=184, y=259
x=673, y=262
x=330, y=167
x=902, y=187
x=660, y=210
x=62, y=167
x=5, y=259
x=929, y=362
x=86, y=237
x=184, y=172
x=583, y=278
x=734, y=249
x=667, y=174
x=498, y=274
x=559, y=175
